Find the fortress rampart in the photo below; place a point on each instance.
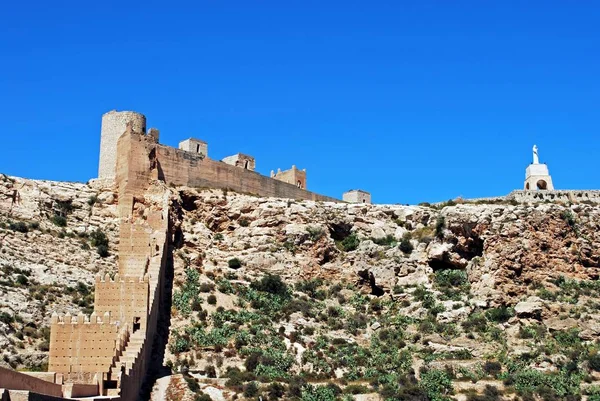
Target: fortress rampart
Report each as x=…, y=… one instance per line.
x=190, y=165
x=573, y=196
x=83, y=344
x=179, y=167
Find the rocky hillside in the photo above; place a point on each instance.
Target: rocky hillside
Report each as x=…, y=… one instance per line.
x=52, y=236
x=286, y=299
x=319, y=301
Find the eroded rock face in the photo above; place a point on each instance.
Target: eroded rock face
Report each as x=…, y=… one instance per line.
x=505, y=249
x=387, y=255
x=45, y=266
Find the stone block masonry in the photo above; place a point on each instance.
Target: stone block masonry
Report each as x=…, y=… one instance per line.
x=180, y=168
x=357, y=196
x=113, y=125
x=82, y=344
x=189, y=165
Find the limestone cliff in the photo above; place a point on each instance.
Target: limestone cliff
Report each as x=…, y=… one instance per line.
x=278, y=297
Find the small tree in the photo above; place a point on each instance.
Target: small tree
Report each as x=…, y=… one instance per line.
x=350, y=243
x=406, y=246
x=234, y=263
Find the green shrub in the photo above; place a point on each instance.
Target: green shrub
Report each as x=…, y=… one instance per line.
x=568, y=339
x=250, y=389
x=314, y=233
x=99, y=240
x=437, y=384
x=535, y=331
x=388, y=240
x=594, y=362
x=211, y=299
x=452, y=282
x=22, y=280
x=59, y=220
x=275, y=391
x=211, y=372
x=244, y=222
x=18, y=226
x=311, y=288
x=490, y=393
x=318, y=393
x=234, y=263
x=206, y=287
x=440, y=225
x=569, y=218
x=356, y=389
x=492, y=368
x=6, y=318
x=350, y=243
x=102, y=251
x=272, y=284
x=202, y=397
x=475, y=322
x=499, y=315
x=192, y=384
x=406, y=246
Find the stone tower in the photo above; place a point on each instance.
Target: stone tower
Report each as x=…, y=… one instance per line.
x=537, y=176
x=113, y=125
x=357, y=196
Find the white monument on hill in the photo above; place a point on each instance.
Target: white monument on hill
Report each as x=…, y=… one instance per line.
x=537, y=176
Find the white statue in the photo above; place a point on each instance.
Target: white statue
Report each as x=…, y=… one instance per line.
x=536, y=159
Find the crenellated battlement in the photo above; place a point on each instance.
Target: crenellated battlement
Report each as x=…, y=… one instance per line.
x=118, y=279
x=81, y=318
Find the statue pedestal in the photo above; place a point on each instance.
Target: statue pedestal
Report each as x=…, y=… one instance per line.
x=537, y=177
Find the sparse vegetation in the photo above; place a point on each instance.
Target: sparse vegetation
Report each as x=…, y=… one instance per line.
x=60, y=221
x=350, y=243
x=234, y=263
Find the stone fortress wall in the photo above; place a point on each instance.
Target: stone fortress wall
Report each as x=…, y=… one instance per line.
x=190, y=165
x=83, y=344
x=573, y=196
x=539, y=196
x=108, y=353
x=179, y=167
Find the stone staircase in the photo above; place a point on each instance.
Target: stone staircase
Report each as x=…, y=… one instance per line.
x=127, y=358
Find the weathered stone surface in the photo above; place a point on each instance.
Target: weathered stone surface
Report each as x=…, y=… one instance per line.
x=530, y=308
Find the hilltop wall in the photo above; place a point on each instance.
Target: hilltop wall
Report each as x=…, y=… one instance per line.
x=178, y=167
x=573, y=196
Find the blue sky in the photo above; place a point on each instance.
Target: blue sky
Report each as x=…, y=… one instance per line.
x=412, y=101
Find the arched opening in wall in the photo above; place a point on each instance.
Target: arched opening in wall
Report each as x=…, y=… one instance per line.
x=541, y=184
x=527, y=186
x=246, y=164
x=364, y=201
x=299, y=184
x=198, y=148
